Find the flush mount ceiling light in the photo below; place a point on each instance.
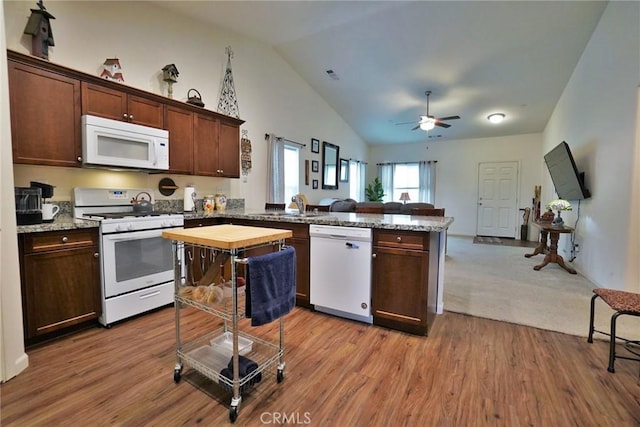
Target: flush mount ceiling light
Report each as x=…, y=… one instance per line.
x=496, y=118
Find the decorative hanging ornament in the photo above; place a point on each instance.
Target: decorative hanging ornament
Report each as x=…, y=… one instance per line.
x=228, y=103
x=39, y=28
x=245, y=156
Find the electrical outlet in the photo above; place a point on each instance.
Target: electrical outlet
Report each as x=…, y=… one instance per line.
x=576, y=248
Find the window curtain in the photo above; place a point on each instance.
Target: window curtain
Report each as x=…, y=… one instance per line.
x=356, y=178
x=427, y=171
x=275, y=169
x=385, y=173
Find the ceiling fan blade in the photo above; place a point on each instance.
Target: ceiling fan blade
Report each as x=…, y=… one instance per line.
x=442, y=125
x=417, y=127
x=407, y=123
x=449, y=118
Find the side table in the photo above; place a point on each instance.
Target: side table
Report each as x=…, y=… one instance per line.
x=548, y=229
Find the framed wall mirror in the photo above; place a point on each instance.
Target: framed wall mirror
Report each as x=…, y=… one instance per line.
x=344, y=170
x=330, y=165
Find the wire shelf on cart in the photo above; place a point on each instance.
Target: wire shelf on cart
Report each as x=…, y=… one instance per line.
x=213, y=354
x=200, y=355
x=222, y=310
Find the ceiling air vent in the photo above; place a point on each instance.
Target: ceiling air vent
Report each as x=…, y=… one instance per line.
x=332, y=74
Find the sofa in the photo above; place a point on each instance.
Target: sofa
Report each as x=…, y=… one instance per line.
x=349, y=205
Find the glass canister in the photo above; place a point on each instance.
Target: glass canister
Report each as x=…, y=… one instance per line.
x=221, y=202
x=209, y=204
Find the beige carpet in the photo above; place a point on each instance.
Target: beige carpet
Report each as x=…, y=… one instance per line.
x=498, y=282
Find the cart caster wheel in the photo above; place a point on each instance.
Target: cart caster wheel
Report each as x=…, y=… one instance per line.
x=280, y=376
x=233, y=414
x=177, y=374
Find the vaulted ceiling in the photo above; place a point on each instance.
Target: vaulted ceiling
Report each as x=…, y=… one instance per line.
x=477, y=58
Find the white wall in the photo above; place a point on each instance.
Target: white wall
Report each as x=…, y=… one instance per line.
x=271, y=96
x=457, y=171
x=13, y=359
x=597, y=115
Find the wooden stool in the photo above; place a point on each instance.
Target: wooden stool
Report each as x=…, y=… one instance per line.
x=623, y=303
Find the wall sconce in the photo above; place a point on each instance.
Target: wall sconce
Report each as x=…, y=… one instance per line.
x=496, y=118
x=404, y=197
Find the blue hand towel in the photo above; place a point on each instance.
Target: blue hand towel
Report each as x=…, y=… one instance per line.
x=271, y=286
x=245, y=365
x=228, y=373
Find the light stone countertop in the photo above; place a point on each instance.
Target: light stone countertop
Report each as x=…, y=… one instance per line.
x=61, y=223
x=343, y=219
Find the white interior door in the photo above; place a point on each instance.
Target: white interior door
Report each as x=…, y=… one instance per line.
x=497, y=199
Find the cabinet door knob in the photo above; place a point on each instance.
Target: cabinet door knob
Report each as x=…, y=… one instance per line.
x=373, y=255
x=96, y=255
x=79, y=159
x=130, y=116
x=125, y=115
x=65, y=239
x=399, y=239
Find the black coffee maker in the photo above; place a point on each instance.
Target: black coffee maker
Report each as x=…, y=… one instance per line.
x=29, y=202
x=28, y=205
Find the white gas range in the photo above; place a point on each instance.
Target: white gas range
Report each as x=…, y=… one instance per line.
x=136, y=262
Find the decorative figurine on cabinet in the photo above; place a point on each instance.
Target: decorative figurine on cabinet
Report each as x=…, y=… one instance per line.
x=111, y=70
x=39, y=28
x=170, y=75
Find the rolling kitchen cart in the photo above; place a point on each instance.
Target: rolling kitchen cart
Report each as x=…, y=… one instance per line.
x=211, y=354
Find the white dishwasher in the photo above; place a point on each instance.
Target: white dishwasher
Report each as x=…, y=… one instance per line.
x=340, y=271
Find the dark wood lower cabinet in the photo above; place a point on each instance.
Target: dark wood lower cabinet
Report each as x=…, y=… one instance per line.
x=60, y=273
x=400, y=279
x=299, y=241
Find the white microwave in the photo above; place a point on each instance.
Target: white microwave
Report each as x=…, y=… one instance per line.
x=116, y=144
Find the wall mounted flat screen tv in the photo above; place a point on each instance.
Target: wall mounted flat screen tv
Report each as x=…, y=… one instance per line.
x=568, y=181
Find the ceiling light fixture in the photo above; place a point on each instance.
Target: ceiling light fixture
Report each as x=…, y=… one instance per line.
x=427, y=123
x=496, y=118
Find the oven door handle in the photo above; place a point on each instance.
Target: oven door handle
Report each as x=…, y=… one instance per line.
x=150, y=295
x=134, y=235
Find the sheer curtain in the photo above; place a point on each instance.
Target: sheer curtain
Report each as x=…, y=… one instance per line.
x=275, y=169
x=356, y=176
x=427, y=182
x=385, y=173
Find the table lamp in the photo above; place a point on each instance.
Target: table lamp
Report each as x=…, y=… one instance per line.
x=404, y=197
x=558, y=205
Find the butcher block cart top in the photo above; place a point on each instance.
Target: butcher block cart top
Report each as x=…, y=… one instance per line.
x=227, y=236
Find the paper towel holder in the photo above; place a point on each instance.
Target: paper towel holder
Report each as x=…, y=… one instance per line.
x=167, y=186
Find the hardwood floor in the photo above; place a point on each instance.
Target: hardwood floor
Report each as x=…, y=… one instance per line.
x=468, y=372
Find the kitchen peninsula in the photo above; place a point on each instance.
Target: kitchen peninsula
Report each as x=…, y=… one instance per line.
x=407, y=260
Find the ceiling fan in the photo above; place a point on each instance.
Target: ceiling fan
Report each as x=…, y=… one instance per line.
x=428, y=122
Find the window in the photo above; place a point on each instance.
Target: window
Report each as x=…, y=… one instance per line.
x=406, y=179
x=291, y=172
x=356, y=178
x=416, y=178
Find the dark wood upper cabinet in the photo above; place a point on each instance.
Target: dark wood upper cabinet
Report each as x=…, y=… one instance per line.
x=205, y=145
x=118, y=105
x=179, y=123
x=47, y=101
x=229, y=150
x=45, y=116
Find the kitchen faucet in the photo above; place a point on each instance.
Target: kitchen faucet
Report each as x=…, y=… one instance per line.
x=298, y=200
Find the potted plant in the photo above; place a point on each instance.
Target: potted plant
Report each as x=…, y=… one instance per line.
x=374, y=191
